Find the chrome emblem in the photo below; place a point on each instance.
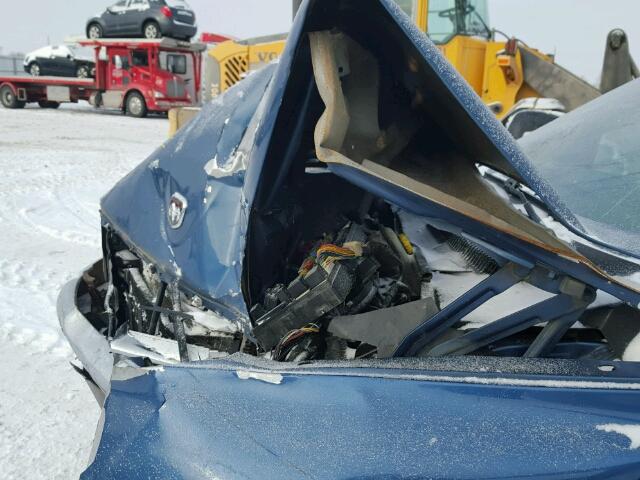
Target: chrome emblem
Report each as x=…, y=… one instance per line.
x=177, y=208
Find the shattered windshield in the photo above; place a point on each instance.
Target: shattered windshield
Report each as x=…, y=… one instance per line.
x=592, y=159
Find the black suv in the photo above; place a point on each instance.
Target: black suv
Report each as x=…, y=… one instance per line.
x=145, y=18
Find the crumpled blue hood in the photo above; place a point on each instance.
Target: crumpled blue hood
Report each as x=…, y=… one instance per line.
x=251, y=419
x=217, y=163
x=205, y=253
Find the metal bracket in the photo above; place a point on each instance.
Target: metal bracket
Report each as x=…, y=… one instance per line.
x=551, y=335
x=431, y=328
x=167, y=311
x=561, y=308
x=572, y=297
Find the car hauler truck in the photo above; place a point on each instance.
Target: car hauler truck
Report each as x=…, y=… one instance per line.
x=136, y=76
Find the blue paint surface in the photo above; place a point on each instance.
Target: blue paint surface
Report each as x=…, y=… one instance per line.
x=205, y=422
x=192, y=422
x=205, y=253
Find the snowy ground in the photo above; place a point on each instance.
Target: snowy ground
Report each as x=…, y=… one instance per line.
x=54, y=167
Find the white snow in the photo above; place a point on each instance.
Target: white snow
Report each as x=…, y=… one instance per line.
x=160, y=350
x=273, y=378
x=632, y=352
x=630, y=431
x=520, y=296
x=560, y=230
x=55, y=166
x=210, y=321
x=473, y=380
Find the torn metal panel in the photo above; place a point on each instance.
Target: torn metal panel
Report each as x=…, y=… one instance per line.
x=209, y=422
x=161, y=351
x=345, y=135
x=239, y=167
x=206, y=253
x=447, y=182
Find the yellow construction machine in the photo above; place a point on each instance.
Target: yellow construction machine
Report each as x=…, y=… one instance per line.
x=507, y=74
x=501, y=72
x=231, y=61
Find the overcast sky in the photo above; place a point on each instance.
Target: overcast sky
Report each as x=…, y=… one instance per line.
x=573, y=29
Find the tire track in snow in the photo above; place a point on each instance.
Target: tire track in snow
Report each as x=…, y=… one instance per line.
x=46, y=417
x=91, y=240
x=55, y=167
x=38, y=342
x=31, y=277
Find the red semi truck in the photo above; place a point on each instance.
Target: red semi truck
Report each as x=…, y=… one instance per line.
x=136, y=76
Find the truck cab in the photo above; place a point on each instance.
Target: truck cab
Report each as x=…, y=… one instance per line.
x=135, y=76
x=141, y=76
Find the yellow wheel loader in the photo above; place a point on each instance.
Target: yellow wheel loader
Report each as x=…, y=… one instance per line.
x=507, y=74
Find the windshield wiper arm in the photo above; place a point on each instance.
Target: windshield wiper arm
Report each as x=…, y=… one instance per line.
x=514, y=188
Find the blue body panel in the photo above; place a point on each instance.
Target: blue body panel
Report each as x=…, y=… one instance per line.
x=208, y=422
x=205, y=253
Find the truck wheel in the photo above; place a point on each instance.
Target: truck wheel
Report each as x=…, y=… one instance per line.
x=94, y=31
x=34, y=69
x=136, y=106
x=9, y=99
x=151, y=30
x=83, y=71
x=48, y=104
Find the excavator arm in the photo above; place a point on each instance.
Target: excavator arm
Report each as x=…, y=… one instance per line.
x=551, y=80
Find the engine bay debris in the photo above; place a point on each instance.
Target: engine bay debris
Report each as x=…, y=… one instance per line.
x=357, y=269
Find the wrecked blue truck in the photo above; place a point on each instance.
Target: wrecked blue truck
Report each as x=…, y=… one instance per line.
x=346, y=268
